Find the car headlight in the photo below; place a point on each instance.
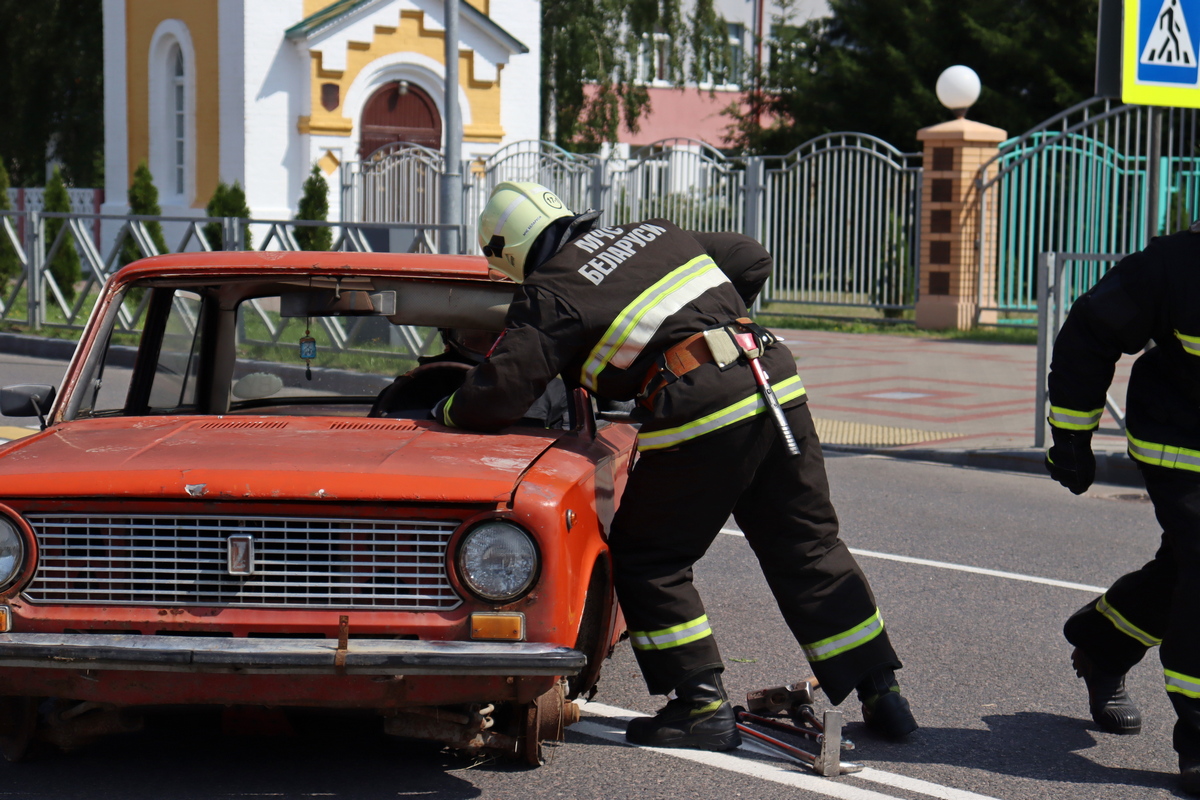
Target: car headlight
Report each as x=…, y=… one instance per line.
x=12, y=552
x=497, y=561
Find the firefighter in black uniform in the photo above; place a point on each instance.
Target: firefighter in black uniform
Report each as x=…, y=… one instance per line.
x=623, y=311
x=1151, y=297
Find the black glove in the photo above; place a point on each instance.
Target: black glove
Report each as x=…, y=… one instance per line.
x=1070, y=461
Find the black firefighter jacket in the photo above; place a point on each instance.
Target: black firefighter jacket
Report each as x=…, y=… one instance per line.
x=601, y=311
x=1150, y=297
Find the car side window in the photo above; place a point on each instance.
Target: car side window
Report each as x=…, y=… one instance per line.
x=176, y=371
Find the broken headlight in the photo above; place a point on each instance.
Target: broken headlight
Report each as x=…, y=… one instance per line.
x=497, y=561
x=12, y=552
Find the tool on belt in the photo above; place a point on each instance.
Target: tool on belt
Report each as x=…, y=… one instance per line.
x=724, y=346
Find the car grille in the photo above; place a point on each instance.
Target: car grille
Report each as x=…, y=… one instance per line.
x=314, y=563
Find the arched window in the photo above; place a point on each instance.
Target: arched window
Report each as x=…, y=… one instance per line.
x=178, y=121
x=172, y=113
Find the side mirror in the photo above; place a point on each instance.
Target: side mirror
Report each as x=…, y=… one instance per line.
x=27, y=400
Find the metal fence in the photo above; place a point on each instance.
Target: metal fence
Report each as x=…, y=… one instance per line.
x=1100, y=177
x=840, y=214
x=1059, y=278
x=51, y=268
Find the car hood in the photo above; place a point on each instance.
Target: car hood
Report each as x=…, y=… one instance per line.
x=268, y=458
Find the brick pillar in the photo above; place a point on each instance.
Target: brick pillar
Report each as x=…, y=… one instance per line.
x=950, y=218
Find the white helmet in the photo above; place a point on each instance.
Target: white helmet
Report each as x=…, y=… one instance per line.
x=514, y=217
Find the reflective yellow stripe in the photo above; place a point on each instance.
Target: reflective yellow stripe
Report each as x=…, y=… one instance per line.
x=786, y=390
x=1073, y=420
x=1182, y=684
x=637, y=323
x=836, y=645
x=1123, y=625
x=1163, y=455
x=445, y=420
x=1190, y=343
x=671, y=637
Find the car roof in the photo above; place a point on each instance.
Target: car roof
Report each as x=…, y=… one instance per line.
x=253, y=262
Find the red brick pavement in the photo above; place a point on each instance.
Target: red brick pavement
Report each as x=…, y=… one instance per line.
x=984, y=393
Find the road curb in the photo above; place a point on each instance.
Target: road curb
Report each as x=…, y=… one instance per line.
x=1111, y=467
x=23, y=344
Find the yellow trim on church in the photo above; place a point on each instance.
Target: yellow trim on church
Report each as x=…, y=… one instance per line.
x=409, y=36
x=142, y=17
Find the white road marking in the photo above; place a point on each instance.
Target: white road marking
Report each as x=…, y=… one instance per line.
x=788, y=776
x=918, y=786
x=995, y=573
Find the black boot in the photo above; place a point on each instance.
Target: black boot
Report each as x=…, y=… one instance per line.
x=1189, y=774
x=699, y=717
x=884, y=709
x=1111, y=707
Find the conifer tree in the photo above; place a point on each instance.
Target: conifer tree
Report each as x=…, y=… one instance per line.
x=871, y=67
x=226, y=201
x=10, y=265
x=65, y=266
x=143, y=199
x=314, y=205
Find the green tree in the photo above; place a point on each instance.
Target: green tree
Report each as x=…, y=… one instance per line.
x=872, y=65
x=65, y=265
x=226, y=201
x=52, y=82
x=314, y=204
x=143, y=199
x=10, y=264
x=591, y=51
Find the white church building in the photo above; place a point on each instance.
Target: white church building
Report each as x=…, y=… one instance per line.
x=258, y=91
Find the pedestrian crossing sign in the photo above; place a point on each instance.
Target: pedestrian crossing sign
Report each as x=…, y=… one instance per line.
x=1159, y=53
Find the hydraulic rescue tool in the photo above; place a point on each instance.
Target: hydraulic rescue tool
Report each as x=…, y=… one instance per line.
x=796, y=700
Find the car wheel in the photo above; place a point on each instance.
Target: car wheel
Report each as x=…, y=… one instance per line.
x=18, y=721
x=544, y=720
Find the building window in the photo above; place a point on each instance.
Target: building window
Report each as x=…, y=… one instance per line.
x=736, y=55
x=179, y=120
x=654, y=58
x=171, y=113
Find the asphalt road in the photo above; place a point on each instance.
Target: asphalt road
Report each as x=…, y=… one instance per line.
x=986, y=670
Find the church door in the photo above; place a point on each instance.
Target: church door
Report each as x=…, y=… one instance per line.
x=399, y=112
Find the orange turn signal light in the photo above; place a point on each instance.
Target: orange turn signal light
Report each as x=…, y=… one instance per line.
x=499, y=626
x=5, y=619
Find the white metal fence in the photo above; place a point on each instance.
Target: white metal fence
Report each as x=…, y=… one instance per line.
x=34, y=291
x=840, y=214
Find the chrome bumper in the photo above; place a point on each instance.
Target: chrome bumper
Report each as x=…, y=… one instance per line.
x=284, y=656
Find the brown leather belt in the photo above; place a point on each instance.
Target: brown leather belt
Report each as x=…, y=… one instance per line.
x=676, y=361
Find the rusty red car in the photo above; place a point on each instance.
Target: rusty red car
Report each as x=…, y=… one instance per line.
x=238, y=498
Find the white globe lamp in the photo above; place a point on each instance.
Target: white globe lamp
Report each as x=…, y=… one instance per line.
x=958, y=89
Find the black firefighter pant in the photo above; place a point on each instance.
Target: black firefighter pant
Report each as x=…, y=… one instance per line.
x=1158, y=603
x=675, y=505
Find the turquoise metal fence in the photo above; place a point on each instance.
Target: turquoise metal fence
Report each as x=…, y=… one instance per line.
x=1098, y=178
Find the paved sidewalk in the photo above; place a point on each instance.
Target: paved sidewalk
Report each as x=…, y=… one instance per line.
x=969, y=403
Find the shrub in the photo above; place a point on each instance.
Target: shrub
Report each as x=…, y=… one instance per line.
x=226, y=201
x=314, y=204
x=143, y=199
x=65, y=266
x=10, y=264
